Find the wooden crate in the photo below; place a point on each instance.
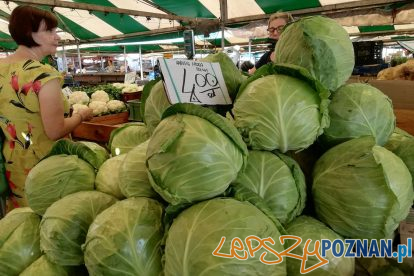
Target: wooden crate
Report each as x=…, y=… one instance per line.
x=99, y=128
x=405, y=119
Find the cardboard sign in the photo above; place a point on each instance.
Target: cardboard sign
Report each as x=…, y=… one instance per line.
x=66, y=91
x=130, y=77
x=188, y=81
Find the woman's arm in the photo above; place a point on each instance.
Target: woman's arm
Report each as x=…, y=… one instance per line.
x=51, y=112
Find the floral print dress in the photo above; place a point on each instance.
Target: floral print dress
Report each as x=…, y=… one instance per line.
x=25, y=140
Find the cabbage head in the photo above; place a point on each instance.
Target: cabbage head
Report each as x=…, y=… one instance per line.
x=107, y=179
x=358, y=110
x=402, y=144
x=125, y=239
x=359, y=177
x=44, y=267
x=285, y=111
x=101, y=153
x=197, y=232
x=64, y=226
x=309, y=228
x=193, y=154
x=277, y=179
x=231, y=74
x=55, y=177
x=156, y=103
x=125, y=138
x=133, y=174
x=19, y=241
x=322, y=46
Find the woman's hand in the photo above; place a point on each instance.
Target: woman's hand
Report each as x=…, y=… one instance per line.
x=86, y=114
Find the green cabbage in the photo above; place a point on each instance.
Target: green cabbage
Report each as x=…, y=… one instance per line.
x=19, y=241
x=156, y=103
x=320, y=45
x=357, y=110
x=107, y=179
x=278, y=180
x=402, y=144
x=64, y=226
x=133, y=174
x=55, y=177
x=101, y=153
x=194, y=154
x=310, y=228
x=285, y=111
x=362, y=190
x=44, y=267
x=125, y=138
x=197, y=231
x=125, y=239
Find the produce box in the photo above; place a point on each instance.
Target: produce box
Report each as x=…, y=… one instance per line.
x=131, y=96
x=99, y=128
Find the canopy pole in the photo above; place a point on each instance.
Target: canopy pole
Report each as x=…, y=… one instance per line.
x=125, y=60
x=250, y=49
x=79, y=57
x=223, y=14
x=65, y=66
x=140, y=63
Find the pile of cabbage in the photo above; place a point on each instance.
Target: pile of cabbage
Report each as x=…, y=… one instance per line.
x=298, y=153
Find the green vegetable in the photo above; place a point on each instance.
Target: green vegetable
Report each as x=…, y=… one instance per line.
x=125, y=239
x=125, y=138
x=362, y=190
x=44, y=267
x=281, y=107
x=320, y=45
x=193, y=154
x=56, y=177
x=197, y=232
x=19, y=241
x=107, y=179
x=64, y=226
x=133, y=173
x=357, y=110
x=310, y=228
x=278, y=180
x=156, y=103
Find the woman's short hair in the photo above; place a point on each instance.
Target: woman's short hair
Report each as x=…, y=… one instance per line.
x=283, y=15
x=25, y=20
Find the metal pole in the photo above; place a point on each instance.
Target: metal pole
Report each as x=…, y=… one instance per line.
x=250, y=49
x=140, y=63
x=65, y=67
x=125, y=60
x=223, y=19
x=79, y=58
x=102, y=64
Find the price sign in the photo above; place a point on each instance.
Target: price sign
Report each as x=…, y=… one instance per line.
x=66, y=91
x=188, y=81
x=130, y=77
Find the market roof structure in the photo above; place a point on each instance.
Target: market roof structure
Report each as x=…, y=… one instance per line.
x=140, y=21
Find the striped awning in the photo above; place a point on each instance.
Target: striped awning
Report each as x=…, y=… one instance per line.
x=140, y=21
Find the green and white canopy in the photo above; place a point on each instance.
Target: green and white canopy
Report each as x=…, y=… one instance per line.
x=145, y=21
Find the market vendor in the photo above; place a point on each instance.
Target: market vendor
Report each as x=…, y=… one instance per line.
x=275, y=25
x=31, y=102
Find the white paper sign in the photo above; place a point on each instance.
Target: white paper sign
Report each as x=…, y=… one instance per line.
x=130, y=77
x=66, y=91
x=188, y=81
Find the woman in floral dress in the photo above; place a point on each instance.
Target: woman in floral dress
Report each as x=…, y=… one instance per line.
x=31, y=102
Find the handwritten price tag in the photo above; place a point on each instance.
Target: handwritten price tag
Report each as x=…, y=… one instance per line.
x=130, y=77
x=66, y=91
x=188, y=81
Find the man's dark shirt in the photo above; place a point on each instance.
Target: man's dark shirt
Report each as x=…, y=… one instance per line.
x=265, y=59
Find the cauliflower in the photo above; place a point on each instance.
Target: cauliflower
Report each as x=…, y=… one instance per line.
x=116, y=106
x=129, y=88
x=78, y=97
x=100, y=96
x=77, y=107
x=98, y=107
x=118, y=85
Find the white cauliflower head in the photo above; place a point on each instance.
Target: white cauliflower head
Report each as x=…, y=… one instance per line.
x=100, y=96
x=116, y=106
x=98, y=107
x=77, y=107
x=78, y=97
